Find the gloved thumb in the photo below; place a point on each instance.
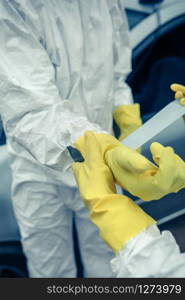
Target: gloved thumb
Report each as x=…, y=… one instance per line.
x=179, y=90
x=165, y=159
x=175, y=87
x=92, y=149
x=156, y=151
x=131, y=161
x=160, y=153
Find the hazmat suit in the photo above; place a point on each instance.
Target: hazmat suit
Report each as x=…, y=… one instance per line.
x=62, y=71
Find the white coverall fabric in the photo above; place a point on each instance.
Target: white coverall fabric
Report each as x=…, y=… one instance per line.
x=45, y=212
x=62, y=70
x=150, y=254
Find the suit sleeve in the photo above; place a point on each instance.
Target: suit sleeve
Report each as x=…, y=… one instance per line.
x=38, y=123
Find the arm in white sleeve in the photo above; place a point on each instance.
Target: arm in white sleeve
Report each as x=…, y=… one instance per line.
x=150, y=254
x=122, y=56
x=34, y=116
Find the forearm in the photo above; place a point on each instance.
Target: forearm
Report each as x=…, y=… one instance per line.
x=123, y=94
x=122, y=59
x=34, y=116
x=125, y=113
x=118, y=218
x=150, y=254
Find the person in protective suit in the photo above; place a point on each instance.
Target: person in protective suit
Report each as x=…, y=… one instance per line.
x=62, y=72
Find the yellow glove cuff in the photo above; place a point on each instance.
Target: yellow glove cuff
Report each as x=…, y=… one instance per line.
x=119, y=219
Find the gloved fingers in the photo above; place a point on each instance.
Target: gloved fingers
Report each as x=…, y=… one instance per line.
x=179, y=89
x=160, y=153
x=86, y=143
x=156, y=151
x=165, y=158
x=182, y=101
x=175, y=87
x=92, y=149
x=134, y=162
x=178, y=95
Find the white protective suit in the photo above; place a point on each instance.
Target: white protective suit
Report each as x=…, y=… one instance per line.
x=62, y=70
x=150, y=254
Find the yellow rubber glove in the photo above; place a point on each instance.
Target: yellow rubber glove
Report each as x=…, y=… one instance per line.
x=179, y=92
x=144, y=179
x=118, y=218
x=128, y=119
x=117, y=156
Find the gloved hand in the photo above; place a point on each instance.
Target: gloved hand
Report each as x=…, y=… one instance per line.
x=179, y=92
x=143, y=179
x=128, y=119
x=118, y=217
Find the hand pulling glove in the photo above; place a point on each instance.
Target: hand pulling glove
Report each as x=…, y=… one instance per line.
x=143, y=179
x=138, y=175
x=118, y=218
